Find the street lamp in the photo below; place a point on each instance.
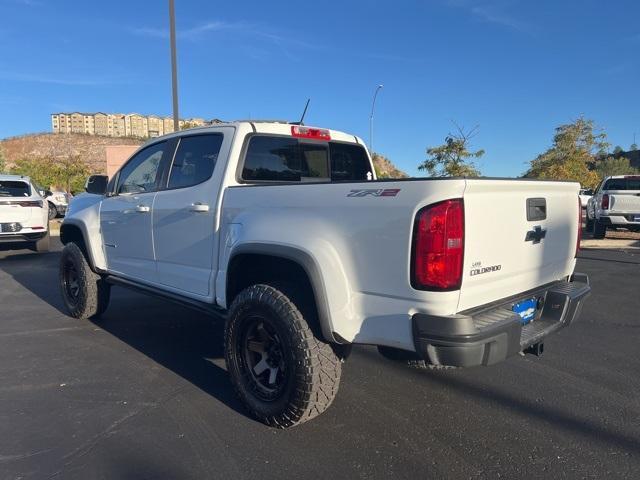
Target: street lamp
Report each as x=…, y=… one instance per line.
x=174, y=66
x=373, y=106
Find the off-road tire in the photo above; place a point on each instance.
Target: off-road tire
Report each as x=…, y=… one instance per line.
x=599, y=230
x=313, y=369
x=42, y=245
x=411, y=359
x=93, y=292
x=53, y=211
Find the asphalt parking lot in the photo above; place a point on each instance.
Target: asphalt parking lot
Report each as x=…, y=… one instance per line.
x=142, y=393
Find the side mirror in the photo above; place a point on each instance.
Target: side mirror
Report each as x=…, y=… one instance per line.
x=46, y=193
x=96, y=184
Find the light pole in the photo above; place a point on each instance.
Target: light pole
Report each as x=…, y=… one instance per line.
x=174, y=64
x=373, y=106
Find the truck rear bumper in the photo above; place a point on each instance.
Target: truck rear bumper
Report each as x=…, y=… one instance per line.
x=621, y=220
x=22, y=237
x=489, y=335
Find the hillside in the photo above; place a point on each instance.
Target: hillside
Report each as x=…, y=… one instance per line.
x=89, y=148
x=385, y=168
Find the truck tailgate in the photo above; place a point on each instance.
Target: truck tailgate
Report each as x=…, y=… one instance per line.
x=624, y=203
x=507, y=253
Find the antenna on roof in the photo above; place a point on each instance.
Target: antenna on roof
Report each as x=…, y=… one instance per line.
x=303, y=114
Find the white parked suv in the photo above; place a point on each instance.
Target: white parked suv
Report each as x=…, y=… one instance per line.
x=58, y=201
x=24, y=214
x=284, y=231
x=614, y=205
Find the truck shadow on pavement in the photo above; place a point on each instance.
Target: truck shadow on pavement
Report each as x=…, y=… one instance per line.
x=465, y=383
x=187, y=342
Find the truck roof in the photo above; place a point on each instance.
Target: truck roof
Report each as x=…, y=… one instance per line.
x=622, y=176
x=276, y=127
x=8, y=177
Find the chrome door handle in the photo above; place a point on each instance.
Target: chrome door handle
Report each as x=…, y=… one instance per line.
x=199, y=207
x=143, y=208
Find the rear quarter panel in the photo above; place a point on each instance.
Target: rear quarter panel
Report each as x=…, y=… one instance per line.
x=360, y=244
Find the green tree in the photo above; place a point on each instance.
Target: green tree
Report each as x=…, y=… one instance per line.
x=69, y=172
x=454, y=157
x=573, y=154
x=187, y=125
x=618, y=150
x=615, y=166
x=34, y=168
x=633, y=146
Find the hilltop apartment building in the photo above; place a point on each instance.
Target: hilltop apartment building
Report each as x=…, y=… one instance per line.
x=117, y=124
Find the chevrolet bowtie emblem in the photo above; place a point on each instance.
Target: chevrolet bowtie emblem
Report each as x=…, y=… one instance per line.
x=536, y=235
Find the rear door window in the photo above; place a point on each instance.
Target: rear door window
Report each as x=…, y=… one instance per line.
x=287, y=159
x=11, y=188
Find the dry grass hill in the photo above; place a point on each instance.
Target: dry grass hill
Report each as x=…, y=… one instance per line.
x=49, y=146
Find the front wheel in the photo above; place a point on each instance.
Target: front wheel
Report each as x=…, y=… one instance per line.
x=84, y=292
x=281, y=372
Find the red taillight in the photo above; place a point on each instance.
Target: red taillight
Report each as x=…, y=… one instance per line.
x=310, y=132
x=30, y=203
x=605, y=201
x=438, y=246
x=579, y=227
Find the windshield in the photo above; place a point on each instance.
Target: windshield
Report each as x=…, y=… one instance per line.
x=11, y=188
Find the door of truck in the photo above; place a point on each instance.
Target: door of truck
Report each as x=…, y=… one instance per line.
x=125, y=215
x=184, y=220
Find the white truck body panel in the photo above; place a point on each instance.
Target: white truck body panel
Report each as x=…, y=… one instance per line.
x=496, y=225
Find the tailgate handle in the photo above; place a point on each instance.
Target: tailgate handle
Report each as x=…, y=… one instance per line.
x=536, y=209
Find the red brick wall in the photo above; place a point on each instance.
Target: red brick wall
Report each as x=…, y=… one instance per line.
x=117, y=155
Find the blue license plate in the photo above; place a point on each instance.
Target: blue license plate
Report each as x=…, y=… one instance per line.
x=636, y=218
x=526, y=309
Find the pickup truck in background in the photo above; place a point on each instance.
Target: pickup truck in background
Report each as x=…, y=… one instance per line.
x=615, y=205
x=283, y=231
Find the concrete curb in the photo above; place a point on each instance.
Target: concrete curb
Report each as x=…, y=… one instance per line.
x=614, y=244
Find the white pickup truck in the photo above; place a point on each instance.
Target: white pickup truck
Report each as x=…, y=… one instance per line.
x=284, y=231
x=615, y=204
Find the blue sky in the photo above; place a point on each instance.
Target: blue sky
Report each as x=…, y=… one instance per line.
x=516, y=68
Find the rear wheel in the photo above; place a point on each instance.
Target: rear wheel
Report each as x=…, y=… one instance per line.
x=53, y=211
x=599, y=230
x=281, y=372
x=84, y=292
